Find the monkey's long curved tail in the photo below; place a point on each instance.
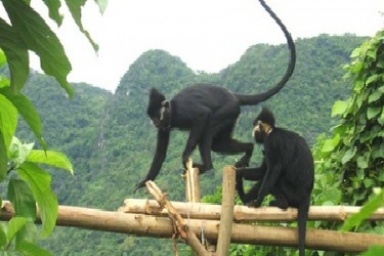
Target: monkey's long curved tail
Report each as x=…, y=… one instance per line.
x=257, y=98
x=302, y=216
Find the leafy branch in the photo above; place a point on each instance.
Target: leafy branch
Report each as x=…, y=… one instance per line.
x=21, y=165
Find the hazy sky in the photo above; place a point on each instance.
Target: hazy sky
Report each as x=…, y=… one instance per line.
x=208, y=35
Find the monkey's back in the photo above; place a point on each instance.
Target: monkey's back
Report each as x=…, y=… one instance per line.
x=295, y=156
x=198, y=100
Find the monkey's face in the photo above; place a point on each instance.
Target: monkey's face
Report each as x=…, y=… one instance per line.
x=259, y=131
x=159, y=110
x=160, y=115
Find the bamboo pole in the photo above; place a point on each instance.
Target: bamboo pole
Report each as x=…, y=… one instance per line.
x=162, y=227
x=192, y=187
x=244, y=213
x=192, y=195
x=226, y=220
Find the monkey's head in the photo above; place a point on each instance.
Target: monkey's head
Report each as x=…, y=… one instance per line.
x=159, y=110
x=263, y=125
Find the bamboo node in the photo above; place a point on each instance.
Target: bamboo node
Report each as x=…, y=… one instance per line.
x=342, y=213
x=139, y=218
x=162, y=202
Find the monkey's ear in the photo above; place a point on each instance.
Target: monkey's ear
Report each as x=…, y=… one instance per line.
x=266, y=116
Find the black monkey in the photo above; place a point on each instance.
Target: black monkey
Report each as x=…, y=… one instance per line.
x=209, y=112
x=286, y=172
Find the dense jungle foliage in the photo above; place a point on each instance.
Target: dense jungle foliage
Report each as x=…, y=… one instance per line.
x=110, y=141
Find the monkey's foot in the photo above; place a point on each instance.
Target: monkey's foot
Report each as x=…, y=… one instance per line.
x=242, y=163
x=202, y=171
x=202, y=168
x=282, y=206
x=254, y=204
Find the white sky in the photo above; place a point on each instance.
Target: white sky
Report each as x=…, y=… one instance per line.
x=208, y=35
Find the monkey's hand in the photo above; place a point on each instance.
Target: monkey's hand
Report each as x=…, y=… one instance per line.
x=140, y=184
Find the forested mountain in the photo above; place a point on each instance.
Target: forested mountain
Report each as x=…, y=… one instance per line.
x=111, y=141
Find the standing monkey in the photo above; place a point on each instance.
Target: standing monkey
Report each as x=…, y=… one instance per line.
x=209, y=113
x=286, y=172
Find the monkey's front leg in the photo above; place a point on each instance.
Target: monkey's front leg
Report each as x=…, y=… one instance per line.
x=244, y=161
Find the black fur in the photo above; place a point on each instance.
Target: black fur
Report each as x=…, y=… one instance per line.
x=287, y=172
x=209, y=112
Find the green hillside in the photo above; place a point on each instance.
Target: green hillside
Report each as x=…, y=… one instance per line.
x=111, y=141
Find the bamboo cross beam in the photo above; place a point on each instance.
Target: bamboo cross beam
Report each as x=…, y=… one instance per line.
x=244, y=213
x=162, y=227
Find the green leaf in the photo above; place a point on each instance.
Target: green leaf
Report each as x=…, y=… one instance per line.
x=4, y=82
x=356, y=52
x=15, y=225
x=357, y=67
x=373, y=78
x=28, y=111
x=8, y=120
x=38, y=37
x=373, y=112
x=368, y=208
x=17, y=55
x=381, y=118
x=331, y=196
x=362, y=162
x=360, y=100
x=3, y=237
x=102, y=5
x=3, y=59
x=374, y=250
x=18, y=151
x=359, y=85
x=372, y=53
x=349, y=154
x=75, y=9
x=52, y=158
x=374, y=96
x=3, y=158
x=368, y=183
x=330, y=144
x=53, y=7
x=339, y=108
x=20, y=195
x=28, y=233
x=380, y=64
x=32, y=249
x=40, y=184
